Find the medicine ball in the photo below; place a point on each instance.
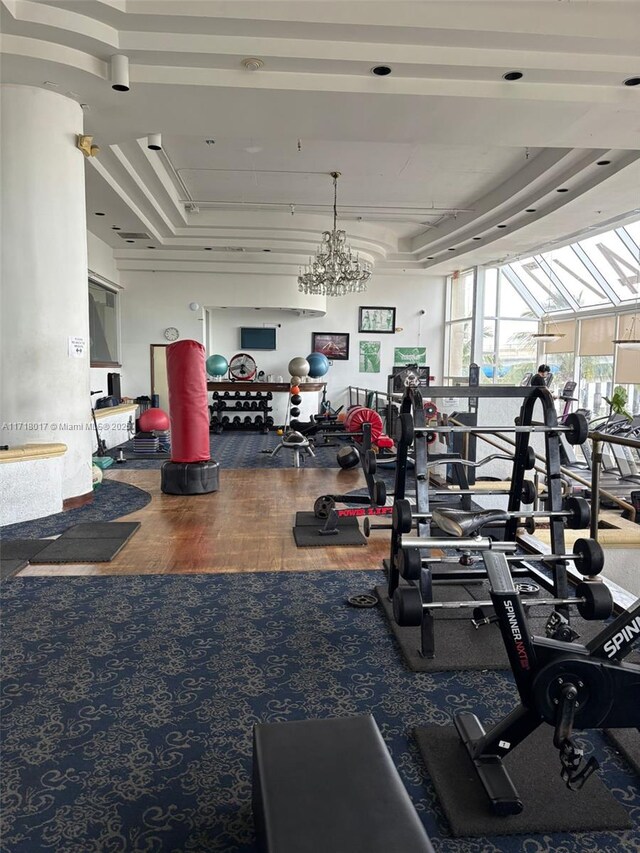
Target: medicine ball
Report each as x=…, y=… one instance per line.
x=295, y=412
x=154, y=420
x=296, y=399
x=348, y=457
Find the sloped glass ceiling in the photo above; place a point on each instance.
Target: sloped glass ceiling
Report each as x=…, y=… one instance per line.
x=594, y=272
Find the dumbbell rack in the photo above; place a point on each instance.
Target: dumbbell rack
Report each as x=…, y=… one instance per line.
x=558, y=584
x=246, y=411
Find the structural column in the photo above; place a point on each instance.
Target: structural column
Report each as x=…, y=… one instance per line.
x=44, y=390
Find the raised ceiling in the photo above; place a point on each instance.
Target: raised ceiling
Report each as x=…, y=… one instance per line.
x=441, y=152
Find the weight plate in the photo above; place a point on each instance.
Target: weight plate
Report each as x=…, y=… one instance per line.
x=579, y=513
x=590, y=557
x=407, y=606
x=323, y=506
x=366, y=526
x=430, y=410
x=369, y=462
x=409, y=563
x=528, y=494
x=529, y=459
x=526, y=587
x=577, y=428
x=363, y=599
x=598, y=601
x=379, y=493
x=401, y=519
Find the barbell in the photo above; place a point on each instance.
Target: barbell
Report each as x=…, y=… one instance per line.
x=577, y=514
x=575, y=428
x=587, y=555
x=593, y=600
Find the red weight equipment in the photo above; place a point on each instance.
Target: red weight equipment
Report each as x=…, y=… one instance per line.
x=430, y=410
x=188, y=404
x=360, y=415
x=153, y=419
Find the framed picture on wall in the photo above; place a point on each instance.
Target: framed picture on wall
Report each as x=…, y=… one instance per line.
x=372, y=318
x=335, y=345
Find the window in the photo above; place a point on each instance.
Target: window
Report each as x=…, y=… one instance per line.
x=508, y=347
x=615, y=262
x=459, y=326
x=103, y=326
x=596, y=383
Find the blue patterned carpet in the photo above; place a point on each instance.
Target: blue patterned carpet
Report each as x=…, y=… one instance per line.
x=110, y=500
x=128, y=706
x=242, y=450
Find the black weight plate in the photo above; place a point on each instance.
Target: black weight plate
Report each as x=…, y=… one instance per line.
x=401, y=518
x=590, y=556
x=323, y=506
x=529, y=459
x=407, y=606
x=597, y=603
x=409, y=563
x=379, y=493
x=579, y=513
x=370, y=462
x=363, y=599
x=577, y=428
x=528, y=495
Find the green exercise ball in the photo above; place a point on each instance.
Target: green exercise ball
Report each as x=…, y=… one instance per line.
x=217, y=365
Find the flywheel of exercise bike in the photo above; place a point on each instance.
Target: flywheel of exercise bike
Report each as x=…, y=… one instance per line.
x=242, y=367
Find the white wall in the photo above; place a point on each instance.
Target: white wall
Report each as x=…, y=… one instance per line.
x=153, y=301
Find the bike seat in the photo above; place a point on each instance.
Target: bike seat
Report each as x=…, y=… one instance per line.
x=459, y=522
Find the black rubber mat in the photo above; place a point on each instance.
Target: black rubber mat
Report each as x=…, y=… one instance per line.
x=89, y=543
x=534, y=767
x=308, y=519
x=458, y=645
x=627, y=742
x=102, y=530
x=310, y=537
x=9, y=568
x=22, y=549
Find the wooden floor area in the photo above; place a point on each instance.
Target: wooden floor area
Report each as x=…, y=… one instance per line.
x=244, y=527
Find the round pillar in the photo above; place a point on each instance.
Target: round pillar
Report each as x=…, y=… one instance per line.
x=44, y=390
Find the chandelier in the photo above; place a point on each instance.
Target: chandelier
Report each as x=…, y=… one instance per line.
x=335, y=270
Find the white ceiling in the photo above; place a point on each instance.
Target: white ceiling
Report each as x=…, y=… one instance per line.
x=441, y=151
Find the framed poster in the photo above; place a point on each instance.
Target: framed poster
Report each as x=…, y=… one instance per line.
x=369, y=357
x=410, y=355
x=335, y=345
x=373, y=318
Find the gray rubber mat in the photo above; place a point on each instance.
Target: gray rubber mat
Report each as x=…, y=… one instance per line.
x=89, y=543
x=627, y=742
x=460, y=646
x=310, y=537
x=102, y=530
x=9, y=568
x=22, y=549
x=534, y=767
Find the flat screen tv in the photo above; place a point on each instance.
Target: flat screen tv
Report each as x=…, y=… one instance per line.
x=257, y=338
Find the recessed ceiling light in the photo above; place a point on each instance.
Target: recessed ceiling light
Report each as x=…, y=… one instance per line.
x=115, y=228
x=477, y=238
x=530, y=210
x=501, y=226
x=130, y=241
x=513, y=75
x=210, y=141
x=207, y=248
x=150, y=247
x=381, y=70
x=99, y=214
x=603, y=162
x=562, y=190
x=632, y=81
x=430, y=257
x=266, y=250
x=451, y=249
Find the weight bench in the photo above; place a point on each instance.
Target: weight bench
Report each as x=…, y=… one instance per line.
x=330, y=786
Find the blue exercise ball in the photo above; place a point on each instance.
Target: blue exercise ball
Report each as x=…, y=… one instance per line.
x=318, y=365
x=217, y=365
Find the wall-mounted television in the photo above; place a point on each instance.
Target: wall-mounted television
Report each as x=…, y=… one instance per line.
x=257, y=338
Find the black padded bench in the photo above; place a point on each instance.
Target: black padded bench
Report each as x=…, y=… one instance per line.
x=330, y=786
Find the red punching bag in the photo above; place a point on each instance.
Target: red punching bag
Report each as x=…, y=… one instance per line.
x=188, y=403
